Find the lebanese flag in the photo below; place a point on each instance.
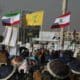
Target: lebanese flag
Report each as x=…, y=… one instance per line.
x=62, y=21
x=11, y=19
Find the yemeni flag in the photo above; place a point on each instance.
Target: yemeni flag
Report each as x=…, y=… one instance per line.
x=11, y=19
x=62, y=21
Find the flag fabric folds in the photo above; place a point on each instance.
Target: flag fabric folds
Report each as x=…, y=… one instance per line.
x=10, y=38
x=11, y=19
x=62, y=21
x=7, y=36
x=56, y=25
x=14, y=36
x=35, y=18
x=13, y=51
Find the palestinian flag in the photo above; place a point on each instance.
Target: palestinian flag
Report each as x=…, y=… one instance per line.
x=11, y=19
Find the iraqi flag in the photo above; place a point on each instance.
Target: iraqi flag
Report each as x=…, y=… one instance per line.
x=11, y=19
x=62, y=21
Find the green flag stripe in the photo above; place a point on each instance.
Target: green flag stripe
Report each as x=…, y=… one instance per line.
x=12, y=14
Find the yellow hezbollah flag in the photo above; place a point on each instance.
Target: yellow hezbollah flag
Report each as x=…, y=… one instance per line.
x=35, y=18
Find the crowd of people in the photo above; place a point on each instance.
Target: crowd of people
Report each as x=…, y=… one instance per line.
x=41, y=64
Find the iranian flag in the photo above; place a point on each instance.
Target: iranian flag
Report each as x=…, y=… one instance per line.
x=62, y=21
x=11, y=19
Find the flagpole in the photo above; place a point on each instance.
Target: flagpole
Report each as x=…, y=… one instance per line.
x=64, y=9
x=40, y=34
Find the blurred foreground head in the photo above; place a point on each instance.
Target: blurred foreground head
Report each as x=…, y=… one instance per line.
x=58, y=69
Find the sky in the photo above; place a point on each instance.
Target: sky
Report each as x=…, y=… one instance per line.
x=52, y=9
